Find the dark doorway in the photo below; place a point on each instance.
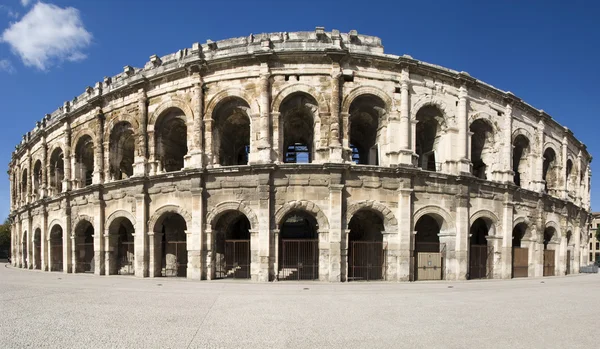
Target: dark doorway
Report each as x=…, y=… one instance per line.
x=366, y=250
x=298, y=247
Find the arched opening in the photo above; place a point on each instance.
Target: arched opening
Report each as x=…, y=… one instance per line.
x=428, y=136
x=366, y=249
x=298, y=247
x=569, y=253
x=56, y=248
x=429, y=252
x=84, y=161
x=25, y=251
x=24, y=185
x=366, y=129
x=520, y=254
x=122, y=151
x=550, y=236
x=37, y=179
x=520, y=158
x=480, y=252
x=57, y=171
x=84, y=247
x=173, y=247
x=232, y=246
x=298, y=114
x=171, y=133
x=482, y=143
x=231, y=132
x=549, y=170
x=37, y=245
x=121, y=242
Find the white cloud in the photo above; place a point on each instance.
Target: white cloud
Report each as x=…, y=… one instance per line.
x=47, y=35
x=6, y=66
x=25, y=2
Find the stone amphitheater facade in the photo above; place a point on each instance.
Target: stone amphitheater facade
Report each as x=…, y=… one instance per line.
x=299, y=155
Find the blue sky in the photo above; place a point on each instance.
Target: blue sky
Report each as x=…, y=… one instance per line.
x=546, y=52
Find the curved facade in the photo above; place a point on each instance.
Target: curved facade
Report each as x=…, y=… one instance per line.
x=307, y=155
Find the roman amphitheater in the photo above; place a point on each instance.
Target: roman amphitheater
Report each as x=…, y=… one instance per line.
x=299, y=156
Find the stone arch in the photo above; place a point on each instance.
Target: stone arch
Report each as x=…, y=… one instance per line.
x=53, y=223
x=389, y=220
x=554, y=147
x=448, y=222
x=110, y=125
x=366, y=90
x=487, y=215
x=521, y=132
x=289, y=90
x=75, y=221
x=524, y=220
x=119, y=214
x=79, y=135
x=485, y=117
x=213, y=217
x=169, y=209
x=302, y=205
x=53, y=147
x=430, y=100
x=231, y=93
x=556, y=227
x=172, y=102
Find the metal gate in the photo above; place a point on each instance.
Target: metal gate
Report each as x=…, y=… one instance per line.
x=429, y=260
x=299, y=259
x=367, y=261
x=85, y=257
x=235, y=263
x=174, y=258
x=56, y=250
x=549, y=262
x=126, y=258
x=568, y=270
x=520, y=265
x=480, y=261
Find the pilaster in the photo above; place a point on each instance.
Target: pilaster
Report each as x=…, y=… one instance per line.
x=336, y=205
x=263, y=272
x=196, y=155
x=142, y=235
x=335, y=146
x=406, y=144
x=194, y=243
x=406, y=234
x=98, y=174
x=462, y=147
x=140, y=167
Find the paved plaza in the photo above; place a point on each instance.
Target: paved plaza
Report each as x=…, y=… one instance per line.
x=56, y=310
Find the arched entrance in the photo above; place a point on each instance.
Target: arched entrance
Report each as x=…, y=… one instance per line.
x=429, y=252
x=56, y=248
x=550, y=235
x=173, y=246
x=298, y=247
x=84, y=247
x=120, y=240
x=24, y=249
x=232, y=246
x=520, y=255
x=37, y=245
x=366, y=249
x=480, y=252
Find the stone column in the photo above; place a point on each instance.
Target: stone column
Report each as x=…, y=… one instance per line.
x=30, y=255
x=141, y=153
x=209, y=237
x=44, y=245
x=67, y=241
x=99, y=246
x=44, y=179
x=563, y=173
x=406, y=144
x=29, y=188
x=335, y=146
x=208, y=144
x=274, y=251
x=508, y=175
x=462, y=234
x=154, y=242
x=406, y=234
x=450, y=241
x=67, y=158
x=109, y=253
x=579, y=168
x=142, y=239
x=575, y=265
x=264, y=134
x=98, y=175
x=336, y=208
x=194, y=243
x=495, y=243
x=507, y=228
x=152, y=162
x=73, y=239
x=539, y=166
x=264, y=229
x=462, y=145
x=196, y=153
